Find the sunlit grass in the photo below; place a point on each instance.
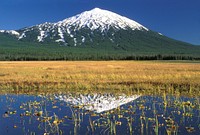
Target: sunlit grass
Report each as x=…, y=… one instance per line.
x=123, y=76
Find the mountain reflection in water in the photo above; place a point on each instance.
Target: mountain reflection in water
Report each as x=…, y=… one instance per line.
x=97, y=102
x=113, y=114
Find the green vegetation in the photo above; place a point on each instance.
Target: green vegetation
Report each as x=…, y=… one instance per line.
x=142, y=47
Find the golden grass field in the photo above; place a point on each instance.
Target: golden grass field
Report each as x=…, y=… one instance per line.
x=124, y=76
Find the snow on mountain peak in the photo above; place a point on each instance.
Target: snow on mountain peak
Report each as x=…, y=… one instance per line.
x=101, y=19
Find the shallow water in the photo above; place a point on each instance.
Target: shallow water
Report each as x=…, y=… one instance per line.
x=98, y=114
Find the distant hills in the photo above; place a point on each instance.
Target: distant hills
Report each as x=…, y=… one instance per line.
x=92, y=35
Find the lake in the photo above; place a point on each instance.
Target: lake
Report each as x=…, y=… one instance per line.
x=99, y=113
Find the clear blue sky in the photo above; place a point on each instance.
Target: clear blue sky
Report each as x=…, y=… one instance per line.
x=178, y=19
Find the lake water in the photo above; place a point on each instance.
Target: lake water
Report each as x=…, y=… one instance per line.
x=65, y=114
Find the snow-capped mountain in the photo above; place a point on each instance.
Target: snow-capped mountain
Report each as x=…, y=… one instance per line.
x=88, y=27
x=94, y=34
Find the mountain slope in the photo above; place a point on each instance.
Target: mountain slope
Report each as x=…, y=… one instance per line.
x=91, y=34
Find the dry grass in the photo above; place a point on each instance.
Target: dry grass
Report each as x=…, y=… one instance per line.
x=148, y=77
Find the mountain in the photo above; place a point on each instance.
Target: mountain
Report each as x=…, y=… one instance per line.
x=98, y=32
x=79, y=29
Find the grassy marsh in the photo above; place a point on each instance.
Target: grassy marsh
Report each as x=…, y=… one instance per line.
x=148, y=77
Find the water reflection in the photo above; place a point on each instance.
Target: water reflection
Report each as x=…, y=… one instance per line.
x=99, y=114
x=97, y=102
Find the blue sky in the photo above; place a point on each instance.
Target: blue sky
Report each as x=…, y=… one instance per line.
x=178, y=19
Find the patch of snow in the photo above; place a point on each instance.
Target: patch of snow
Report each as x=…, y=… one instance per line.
x=69, y=32
x=12, y=32
x=42, y=35
x=83, y=39
x=23, y=35
x=75, y=42
x=60, y=33
x=111, y=40
x=60, y=40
